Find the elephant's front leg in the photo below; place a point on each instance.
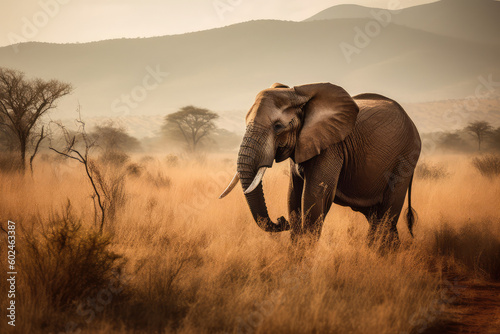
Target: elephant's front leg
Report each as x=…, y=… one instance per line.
x=295, y=202
x=320, y=184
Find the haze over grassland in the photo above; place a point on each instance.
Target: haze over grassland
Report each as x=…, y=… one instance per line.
x=433, y=52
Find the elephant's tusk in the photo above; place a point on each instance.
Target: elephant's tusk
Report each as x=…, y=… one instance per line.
x=256, y=180
x=231, y=185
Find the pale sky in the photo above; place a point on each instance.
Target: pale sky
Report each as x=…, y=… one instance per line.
x=68, y=21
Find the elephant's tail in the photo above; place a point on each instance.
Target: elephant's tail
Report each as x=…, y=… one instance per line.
x=410, y=213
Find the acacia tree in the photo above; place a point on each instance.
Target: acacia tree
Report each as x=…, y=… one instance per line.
x=23, y=102
x=480, y=129
x=452, y=140
x=111, y=137
x=191, y=123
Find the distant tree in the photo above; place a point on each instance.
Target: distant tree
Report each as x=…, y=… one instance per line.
x=452, y=141
x=111, y=137
x=190, y=123
x=22, y=104
x=495, y=138
x=480, y=129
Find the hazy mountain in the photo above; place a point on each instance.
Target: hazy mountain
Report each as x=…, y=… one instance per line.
x=343, y=12
x=472, y=20
x=223, y=69
x=448, y=115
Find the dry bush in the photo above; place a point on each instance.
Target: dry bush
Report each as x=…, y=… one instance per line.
x=487, y=165
x=114, y=158
x=61, y=265
x=66, y=262
x=426, y=170
x=134, y=169
x=163, y=285
x=110, y=181
x=471, y=245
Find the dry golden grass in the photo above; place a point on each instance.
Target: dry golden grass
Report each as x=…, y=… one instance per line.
x=191, y=263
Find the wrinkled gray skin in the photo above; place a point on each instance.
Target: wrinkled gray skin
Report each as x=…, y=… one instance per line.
x=358, y=152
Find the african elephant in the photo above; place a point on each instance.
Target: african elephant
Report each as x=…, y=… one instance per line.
x=356, y=151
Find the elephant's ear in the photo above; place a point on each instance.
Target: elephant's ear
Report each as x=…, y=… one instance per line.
x=329, y=116
x=279, y=85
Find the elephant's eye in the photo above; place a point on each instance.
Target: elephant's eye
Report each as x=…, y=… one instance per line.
x=278, y=127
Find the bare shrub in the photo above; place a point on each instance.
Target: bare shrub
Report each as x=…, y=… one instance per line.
x=111, y=183
x=426, y=170
x=106, y=175
x=487, y=165
x=65, y=262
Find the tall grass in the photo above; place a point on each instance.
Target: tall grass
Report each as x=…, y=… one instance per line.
x=196, y=264
x=426, y=170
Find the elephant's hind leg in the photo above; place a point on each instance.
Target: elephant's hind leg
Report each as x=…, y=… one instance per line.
x=383, y=232
x=383, y=218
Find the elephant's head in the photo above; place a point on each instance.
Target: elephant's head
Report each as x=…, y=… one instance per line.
x=283, y=123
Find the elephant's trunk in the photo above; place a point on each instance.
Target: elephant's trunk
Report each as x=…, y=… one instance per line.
x=256, y=152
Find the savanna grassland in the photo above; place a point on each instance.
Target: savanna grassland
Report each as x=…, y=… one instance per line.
x=174, y=258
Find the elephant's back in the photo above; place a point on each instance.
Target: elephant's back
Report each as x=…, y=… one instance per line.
x=374, y=105
x=383, y=137
x=384, y=134
x=382, y=115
